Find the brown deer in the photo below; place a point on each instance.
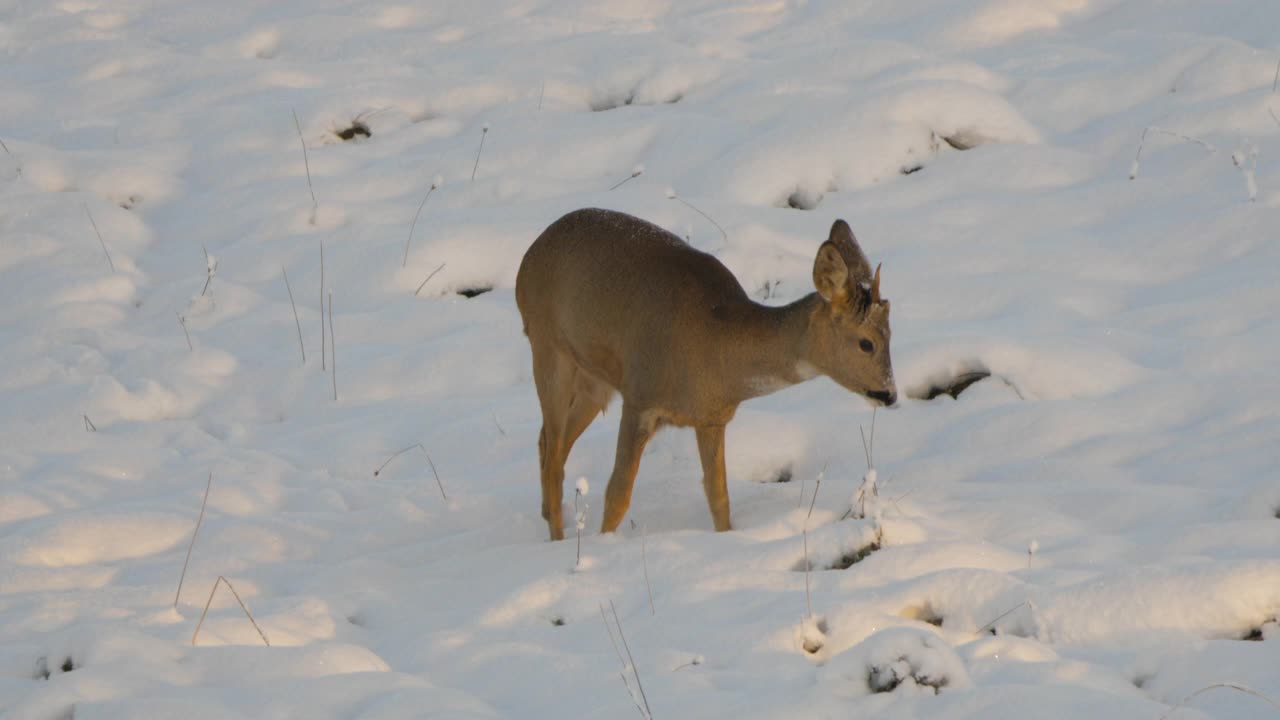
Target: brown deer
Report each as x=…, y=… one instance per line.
x=612, y=303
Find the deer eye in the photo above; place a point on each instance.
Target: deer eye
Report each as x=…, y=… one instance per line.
x=867, y=346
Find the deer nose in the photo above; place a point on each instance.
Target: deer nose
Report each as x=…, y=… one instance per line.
x=884, y=397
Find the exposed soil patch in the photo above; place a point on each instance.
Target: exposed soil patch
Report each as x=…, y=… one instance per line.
x=473, y=291
x=357, y=129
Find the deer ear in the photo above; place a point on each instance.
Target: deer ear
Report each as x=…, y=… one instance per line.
x=859, y=267
x=830, y=273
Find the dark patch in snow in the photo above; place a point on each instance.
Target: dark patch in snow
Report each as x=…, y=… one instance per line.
x=607, y=102
x=882, y=679
x=612, y=102
x=557, y=621
x=854, y=557
x=813, y=642
x=1258, y=634
x=769, y=289
x=924, y=613
x=911, y=169
x=474, y=291
x=887, y=677
x=42, y=667
x=950, y=383
x=356, y=619
x=783, y=475
x=964, y=140
x=803, y=199
x=358, y=128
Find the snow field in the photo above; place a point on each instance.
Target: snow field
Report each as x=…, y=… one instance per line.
x=981, y=151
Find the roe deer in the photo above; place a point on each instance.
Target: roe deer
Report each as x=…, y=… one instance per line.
x=612, y=303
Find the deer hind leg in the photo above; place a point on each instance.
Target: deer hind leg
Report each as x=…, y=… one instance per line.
x=711, y=449
x=570, y=400
x=634, y=432
x=551, y=377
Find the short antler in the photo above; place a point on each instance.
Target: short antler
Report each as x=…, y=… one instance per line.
x=875, y=286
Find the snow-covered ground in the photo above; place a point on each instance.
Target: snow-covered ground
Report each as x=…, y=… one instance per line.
x=1091, y=532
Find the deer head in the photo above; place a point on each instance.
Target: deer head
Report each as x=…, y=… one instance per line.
x=849, y=332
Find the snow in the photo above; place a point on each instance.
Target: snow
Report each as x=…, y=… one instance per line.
x=1078, y=197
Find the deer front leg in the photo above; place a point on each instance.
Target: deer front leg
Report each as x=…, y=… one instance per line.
x=634, y=432
x=711, y=449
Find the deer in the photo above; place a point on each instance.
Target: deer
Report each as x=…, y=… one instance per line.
x=613, y=304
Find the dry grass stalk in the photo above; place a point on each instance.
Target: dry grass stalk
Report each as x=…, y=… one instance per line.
x=333, y=350
x=634, y=174
x=808, y=604
x=642, y=704
x=209, y=269
x=644, y=562
x=182, y=320
x=1001, y=616
x=424, y=282
x=243, y=607
x=100, y=240
x=306, y=163
x=429, y=462
x=1216, y=686
x=671, y=194
x=414, y=224
x=484, y=131
x=323, y=341
x=192, y=544
x=578, y=523
x=296, y=322
x=88, y=424
x=1133, y=167
x=15, y=159
x=397, y=454
x=433, y=472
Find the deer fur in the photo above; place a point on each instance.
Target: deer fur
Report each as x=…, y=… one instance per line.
x=614, y=304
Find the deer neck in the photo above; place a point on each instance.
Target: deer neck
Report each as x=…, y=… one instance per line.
x=769, y=347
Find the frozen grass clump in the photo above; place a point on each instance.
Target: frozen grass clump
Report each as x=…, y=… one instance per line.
x=902, y=660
